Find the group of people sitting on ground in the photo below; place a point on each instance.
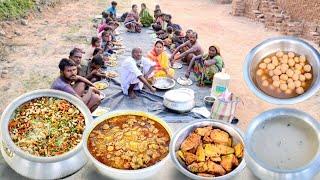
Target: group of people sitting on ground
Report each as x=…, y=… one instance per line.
x=137, y=71
x=77, y=75
x=135, y=20
x=183, y=47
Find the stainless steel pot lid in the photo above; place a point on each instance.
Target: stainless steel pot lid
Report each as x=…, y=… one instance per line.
x=179, y=95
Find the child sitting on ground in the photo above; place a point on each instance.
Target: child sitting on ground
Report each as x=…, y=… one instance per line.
x=95, y=43
x=113, y=24
x=95, y=72
x=164, y=34
x=99, y=51
x=109, y=49
x=107, y=28
x=106, y=44
x=105, y=19
x=106, y=25
x=168, y=40
x=160, y=23
x=156, y=12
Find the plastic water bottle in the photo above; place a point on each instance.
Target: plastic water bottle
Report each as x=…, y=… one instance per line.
x=220, y=84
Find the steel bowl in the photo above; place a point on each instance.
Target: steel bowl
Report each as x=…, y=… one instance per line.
x=209, y=100
x=273, y=45
x=164, y=83
x=120, y=173
x=263, y=170
x=182, y=134
x=36, y=167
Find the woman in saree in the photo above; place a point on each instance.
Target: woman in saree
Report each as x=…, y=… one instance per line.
x=206, y=66
x=145, y=18
x=160, y=57
x=132, y=20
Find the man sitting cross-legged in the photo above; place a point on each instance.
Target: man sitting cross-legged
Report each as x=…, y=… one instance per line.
x=135, y=72
x=70, y=82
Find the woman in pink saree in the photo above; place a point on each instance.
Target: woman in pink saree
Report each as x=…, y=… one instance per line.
x=132, y=22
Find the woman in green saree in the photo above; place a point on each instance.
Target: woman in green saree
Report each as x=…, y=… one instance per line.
x=206, y=66
x=145, y=18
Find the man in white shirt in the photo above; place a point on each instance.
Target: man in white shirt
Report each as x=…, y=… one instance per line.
x=134, y=72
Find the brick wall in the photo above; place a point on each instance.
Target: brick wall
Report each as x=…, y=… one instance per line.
x=291, y=17
x=308, y=10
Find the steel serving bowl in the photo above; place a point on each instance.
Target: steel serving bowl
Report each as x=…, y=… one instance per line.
x=164, y=83
x=182, y=134
x=209, y=100
x=273, y=45
x=263, y=170
x=120, y=173
x=36, y=167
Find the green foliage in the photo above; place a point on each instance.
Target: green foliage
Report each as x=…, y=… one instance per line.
x=14, y=8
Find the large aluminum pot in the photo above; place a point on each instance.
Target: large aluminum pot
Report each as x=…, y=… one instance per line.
x=180, y=100
x=36, y=167
x=182, y=134
x=120, y=173
x=263, y=170
x=273, y=45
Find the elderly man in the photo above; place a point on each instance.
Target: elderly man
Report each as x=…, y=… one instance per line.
x=194, y=49
x=134, y=72
x=71, y=83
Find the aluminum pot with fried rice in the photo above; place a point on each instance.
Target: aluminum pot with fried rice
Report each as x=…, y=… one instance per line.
x=41, y=134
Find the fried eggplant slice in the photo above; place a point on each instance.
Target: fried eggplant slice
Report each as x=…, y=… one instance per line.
x=220, y=137
x=229, y=161
x=214, y=150
x=200, y=154
x=198, y=167
x=215, y=169
x=224, y=150
x=192, y=141
x=238, y=150
x=190, y=158
x=215, y=159
x=203, y=131
x=210, y=150
x=181, y=155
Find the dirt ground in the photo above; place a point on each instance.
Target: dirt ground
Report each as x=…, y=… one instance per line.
x=38, y=47
x=235, y=36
